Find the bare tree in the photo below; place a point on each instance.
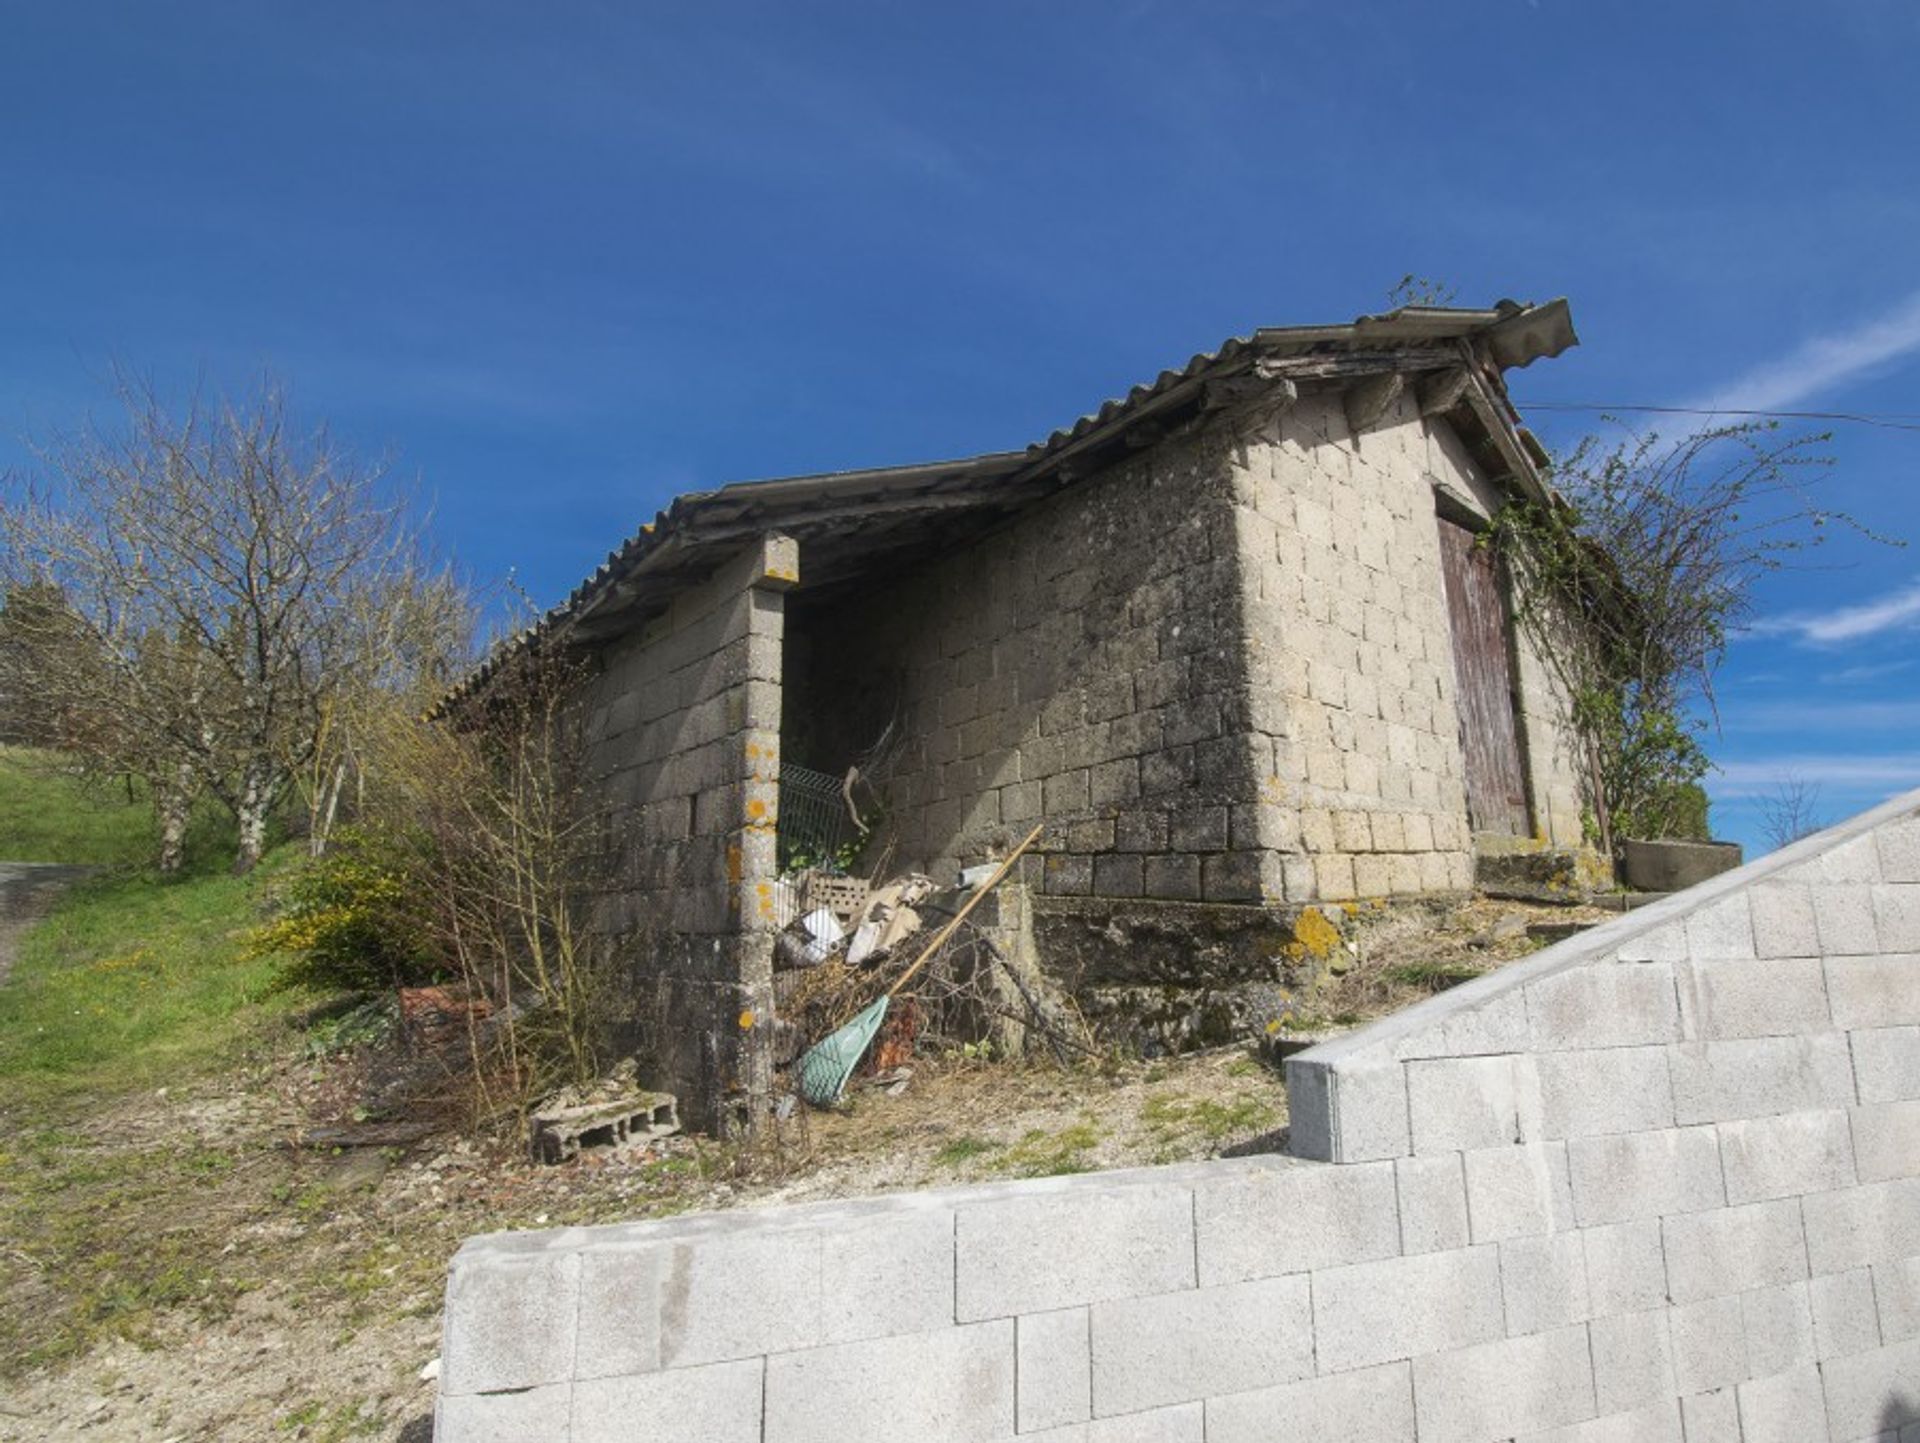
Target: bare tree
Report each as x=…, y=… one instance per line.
x=226, y=582
x=1791, y=811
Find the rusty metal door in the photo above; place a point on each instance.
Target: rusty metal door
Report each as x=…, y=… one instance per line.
x=1483, y=665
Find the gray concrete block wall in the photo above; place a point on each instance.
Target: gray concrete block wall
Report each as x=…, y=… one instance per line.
x=1530, y=1233
x=683, y=732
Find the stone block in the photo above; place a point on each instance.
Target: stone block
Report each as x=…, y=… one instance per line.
x=1433, y=1204
x=718, y=1403
x=1182, y=1423
x=1778, y=1323
x=1654, y=1423
x=1543, y=1281
x=1873, y=992
x=1844, y=916
x=1055, y=1368
x=1785, y=1156
x=1886, y=1063
x=1271, y=1221
x=1037, y=1252
x=1626, y=1267
x=1779, y=998
x=1459, y=1103
x=1118, y=874
x=1868, y=1392
x=1721, y=930
x=1712, y=1417
x=1356, y=1112
x=1632, y=1361
x=1899, y=848
x=1731, y=1250
x=1501, y=1389
x=1176, y=877
x=1405, y=1307
x=1373, y=876
x=530, y=1415
x=1760, y=1076
x=1644, y=1174
x=1333, y=878
x=1518, y=1191
x=1709, y=1340
x=1609, y=1090
x=1886, y=1140
x=509, y=1320
x=952, y=1386
x=1784, y=1408
x=884, y=1274
x=1373, y=1403
x=1896, y=1292
x=1871, y=1223
x=1233, y=877
x=1200, y=829
x=1896, y=916
x=1845, y=1319
x=1150, y=1352
x=1783, y=921
x=1605, y=1005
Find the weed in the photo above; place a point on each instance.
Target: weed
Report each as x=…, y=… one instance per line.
x=1432, y=976
x=1211, y=1119
x=1043, y=1154
x=963, y=1149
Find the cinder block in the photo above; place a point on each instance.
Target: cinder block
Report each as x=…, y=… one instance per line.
x=719, y=1403
x=739, y=1294
x=1055, y=1369
x=1404, y=1307
x=1844, y=916
x=1654, y=1423
x=1666, y=943
x=1038, y=1252
x=1873, y=992
x=1709, y=1344
x=1150, y=1352
x=1896, y=1292
x=1632, y=1361
x=1626, y=1268
x=1374, y=1403
x=1352, y=1112
x=1459, y=1103
x=1760, y=1076
x=1845, y=1319
x=1869, y=1392
x=509, y=1320
x=1785, y=1156
x=1899, y=847
x=1605, y=1005
x=1854, y=860
x=1497, y=1390
x=1784, y=1408
x=1722, y=929
x=1433, y=1204
x=1644, y=1174
x=1783, y=922
x=532, y=1415
x=1182, y=1423
x=1778, y=1322
x=1733, y=1249
x=1543, y=1281
x=1780, y=998
x=1886, y=1063
x=1712, y=1417
x=1871, y=1223
x=1608, y=1090
x=1896, y=916
x=1517, y=1191
x=1886, y=1139
x=1265, y=1222
x=953, y=1386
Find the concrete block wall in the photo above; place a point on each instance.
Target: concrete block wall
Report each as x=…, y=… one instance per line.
x=1081, y=664
x=1658, y=1183
x=683, y=731
x=1351, y=665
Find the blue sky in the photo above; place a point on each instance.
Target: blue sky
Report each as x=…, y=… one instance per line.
x=563, y=261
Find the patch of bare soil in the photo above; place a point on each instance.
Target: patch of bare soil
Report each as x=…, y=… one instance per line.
x=172, y=1269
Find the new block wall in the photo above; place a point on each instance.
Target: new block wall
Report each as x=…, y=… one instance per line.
x=1661, y=1182
x=683, y=733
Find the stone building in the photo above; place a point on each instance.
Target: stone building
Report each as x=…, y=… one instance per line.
x=1228, y=637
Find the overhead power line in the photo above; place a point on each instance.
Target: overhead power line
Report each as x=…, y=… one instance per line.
x=1894, y=422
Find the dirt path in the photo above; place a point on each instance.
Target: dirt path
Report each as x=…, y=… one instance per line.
x=27, y=890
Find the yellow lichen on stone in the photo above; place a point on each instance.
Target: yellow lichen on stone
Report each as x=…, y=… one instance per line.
x=1314, y=935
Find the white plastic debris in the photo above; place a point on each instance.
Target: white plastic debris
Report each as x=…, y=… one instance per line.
x=824, y=928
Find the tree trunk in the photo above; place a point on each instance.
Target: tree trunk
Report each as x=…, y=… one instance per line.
x=256, y=800
x=174, y=802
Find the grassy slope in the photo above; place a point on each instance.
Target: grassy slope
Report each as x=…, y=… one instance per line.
x=49, y=815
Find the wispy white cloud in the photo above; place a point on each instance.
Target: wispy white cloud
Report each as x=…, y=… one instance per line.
x=1894, y=611
x=1848, y=675
x=1829, y=717
x=1846, y=774
x=1821, y=363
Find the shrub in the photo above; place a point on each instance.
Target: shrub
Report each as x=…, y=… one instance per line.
x=352, y=919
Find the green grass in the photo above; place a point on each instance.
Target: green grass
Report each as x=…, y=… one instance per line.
x=963, y=1149
x=133, y=982
x=49, y=813
x=1434, y=976
x=1208, y=1117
